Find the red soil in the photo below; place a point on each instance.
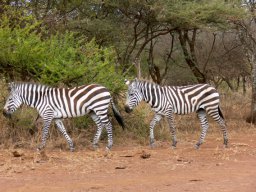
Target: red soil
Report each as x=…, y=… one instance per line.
x=211, y=168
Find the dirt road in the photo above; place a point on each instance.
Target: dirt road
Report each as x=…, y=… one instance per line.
x=209, y=169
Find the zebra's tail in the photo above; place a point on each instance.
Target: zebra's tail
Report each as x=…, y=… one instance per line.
x=117, y=114
x=220, y=113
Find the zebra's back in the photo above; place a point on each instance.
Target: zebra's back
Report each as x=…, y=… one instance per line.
x=187, y=99
x=78, y=101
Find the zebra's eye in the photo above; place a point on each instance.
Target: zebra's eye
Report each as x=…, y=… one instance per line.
x=131, y=94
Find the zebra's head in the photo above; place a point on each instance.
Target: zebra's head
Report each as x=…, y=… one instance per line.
x=134, y=95
x=13, y=102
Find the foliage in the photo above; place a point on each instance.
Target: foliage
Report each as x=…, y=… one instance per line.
x=199, y=14
x=61, y=58
x=131, y=26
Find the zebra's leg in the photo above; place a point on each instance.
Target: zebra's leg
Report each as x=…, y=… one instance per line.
x=218, y=117
x=222, y=124
x=62, y=129
x=156, y=119
x=106, y=123
x=172, y=129
x=45, y=131
x=204, y=125
x=97, y=121
x=110, y=136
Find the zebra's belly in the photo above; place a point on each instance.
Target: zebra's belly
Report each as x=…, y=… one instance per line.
x=59, y=114
x=184, y=110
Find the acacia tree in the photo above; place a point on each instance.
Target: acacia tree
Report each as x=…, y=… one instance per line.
x=153, y=19
x=221, y=58
x=143, y=22
x=189, y=17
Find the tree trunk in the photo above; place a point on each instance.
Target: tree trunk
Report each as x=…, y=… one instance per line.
x=154, y=70
x=188, y=48
x=244, y=85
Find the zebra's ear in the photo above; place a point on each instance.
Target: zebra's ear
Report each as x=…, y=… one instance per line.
x=10, y=86
x=127, y=82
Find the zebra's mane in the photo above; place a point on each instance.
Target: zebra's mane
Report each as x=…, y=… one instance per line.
x=145, y=82
x=17, y=84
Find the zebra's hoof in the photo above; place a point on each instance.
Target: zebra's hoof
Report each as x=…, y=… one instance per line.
x=108, y=148
x=95, y=146
x=72, y=149
x=39, y=148
x=152, y=145
x=197, y=146
x=174, y=144
x=226, y=142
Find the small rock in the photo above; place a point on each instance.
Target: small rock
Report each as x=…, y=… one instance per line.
x=219, y=164
x=17, y=154
x=145, y=155
x=121, y=167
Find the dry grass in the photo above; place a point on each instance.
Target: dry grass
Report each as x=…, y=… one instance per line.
x=23, y=131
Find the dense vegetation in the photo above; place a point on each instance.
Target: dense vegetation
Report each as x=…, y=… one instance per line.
x=30, y=53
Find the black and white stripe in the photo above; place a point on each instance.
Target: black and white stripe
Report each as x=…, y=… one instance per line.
x=54, y=104
x=167, y=100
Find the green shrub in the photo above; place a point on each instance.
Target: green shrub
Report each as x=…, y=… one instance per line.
x=27, y=54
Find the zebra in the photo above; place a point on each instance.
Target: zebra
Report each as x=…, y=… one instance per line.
x=55, y=104
x=168, y=100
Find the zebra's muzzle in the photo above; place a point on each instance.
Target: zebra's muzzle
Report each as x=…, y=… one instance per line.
x=127, y=109
x=6, y=114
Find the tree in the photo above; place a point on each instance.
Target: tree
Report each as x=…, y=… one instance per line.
x=189, y=17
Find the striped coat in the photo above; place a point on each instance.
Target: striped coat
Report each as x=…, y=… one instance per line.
x=54, y=104
x=167, y=100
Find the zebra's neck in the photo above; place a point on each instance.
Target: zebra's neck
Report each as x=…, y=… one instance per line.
x=149, y=91
x=33, y=94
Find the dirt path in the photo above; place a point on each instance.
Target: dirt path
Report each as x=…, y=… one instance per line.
x=209, y=169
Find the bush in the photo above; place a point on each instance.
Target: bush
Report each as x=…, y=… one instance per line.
x=29, y=55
